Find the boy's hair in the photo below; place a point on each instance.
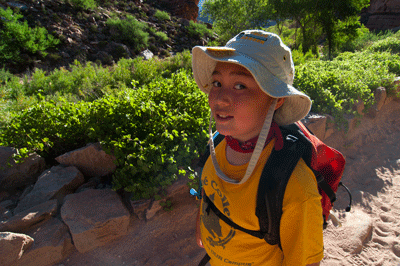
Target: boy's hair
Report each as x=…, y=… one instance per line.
x=268, y=60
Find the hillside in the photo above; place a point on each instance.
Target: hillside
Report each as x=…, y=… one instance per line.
x=87, y=34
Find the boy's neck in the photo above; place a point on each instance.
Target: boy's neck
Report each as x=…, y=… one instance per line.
x=237, y=158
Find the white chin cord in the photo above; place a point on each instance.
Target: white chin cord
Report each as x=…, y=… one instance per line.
x=256, y=153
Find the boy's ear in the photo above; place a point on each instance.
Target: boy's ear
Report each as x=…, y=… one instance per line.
x=279, y=103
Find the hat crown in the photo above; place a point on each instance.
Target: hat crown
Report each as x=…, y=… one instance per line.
x=267, y=49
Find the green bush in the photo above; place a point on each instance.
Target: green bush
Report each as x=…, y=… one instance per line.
x=129, y=31
x=84, y=4
x=162, y=36
x=390, y=44
x=17, y=37
x=154, y=131
x=299, y=58
x=334, y=86
x=162, y=15
x=365, y=39
x=198, y=30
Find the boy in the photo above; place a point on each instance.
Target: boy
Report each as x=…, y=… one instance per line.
x=249, y=86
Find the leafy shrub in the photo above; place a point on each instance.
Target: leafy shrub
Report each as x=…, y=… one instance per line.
x=162, y=15
x=84, y=4
x=300, y=58
x=84, y=82
x=390, y=44
x=334, y=86
x=198, y=30
x=129, y=31
x=17, y=37
x=365, y=39
x=162, y=36
x=154, y=131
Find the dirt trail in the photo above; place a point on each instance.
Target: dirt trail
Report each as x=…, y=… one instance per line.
x=372, y=174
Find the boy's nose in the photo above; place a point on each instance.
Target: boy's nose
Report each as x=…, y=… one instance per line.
x=222, y=96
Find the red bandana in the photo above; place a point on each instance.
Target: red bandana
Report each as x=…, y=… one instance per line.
x=248, y=146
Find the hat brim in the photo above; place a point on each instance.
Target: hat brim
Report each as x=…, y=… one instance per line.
x=204, y=59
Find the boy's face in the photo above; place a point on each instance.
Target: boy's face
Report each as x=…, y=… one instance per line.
x=237, y=103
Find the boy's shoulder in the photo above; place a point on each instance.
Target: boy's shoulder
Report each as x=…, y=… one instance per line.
x=302, y=184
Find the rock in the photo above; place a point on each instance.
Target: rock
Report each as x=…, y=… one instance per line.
x=52, y=244
x=6, y=204
x=146, y=54
x=381, y=15
x=4, y=214
x=91, y=184
x=155, y=207
x=359, y=106
x=26, y=191
x=317, y=124
x=380, y=96
x=118, y=50
x=22, y=221
x=52, y=184
x=95, y=217
x=140, y=208
x=90, y=160
x=359, y=225
x=19, y=6
x=21, y=174
x=12, y=247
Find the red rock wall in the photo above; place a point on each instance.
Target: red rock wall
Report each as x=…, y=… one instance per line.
x=382, y=15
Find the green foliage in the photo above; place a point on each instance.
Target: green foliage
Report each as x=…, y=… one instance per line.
x=299, y=58
x=334, y=86
x=287, y=32
x=162, y=15
x=197, y=30
x=84, y=4
x=129, y=31
x=17, y=37
x=161, y=36
x=231, y=17
x=154, y=131
x=331, y=18
x=389, y=44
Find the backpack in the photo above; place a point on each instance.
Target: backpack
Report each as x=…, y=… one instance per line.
x=299, y=142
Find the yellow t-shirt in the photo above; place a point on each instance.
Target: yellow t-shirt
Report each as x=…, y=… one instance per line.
x=301, y=222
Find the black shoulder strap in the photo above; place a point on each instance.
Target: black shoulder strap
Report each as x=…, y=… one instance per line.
x=211, y=206
x=272, y=186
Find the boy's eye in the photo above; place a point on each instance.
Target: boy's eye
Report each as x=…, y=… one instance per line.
x=240, y=87
x=216, y=84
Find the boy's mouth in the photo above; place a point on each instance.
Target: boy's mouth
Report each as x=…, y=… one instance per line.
x=222, y=117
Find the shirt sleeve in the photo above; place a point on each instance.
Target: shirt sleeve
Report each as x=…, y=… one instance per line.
x=302, y=222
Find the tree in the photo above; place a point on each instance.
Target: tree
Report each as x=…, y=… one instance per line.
x=329, y=17
x=232, y=16
x=339, y=16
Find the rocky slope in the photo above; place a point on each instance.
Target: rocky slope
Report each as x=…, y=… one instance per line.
x=85, y=36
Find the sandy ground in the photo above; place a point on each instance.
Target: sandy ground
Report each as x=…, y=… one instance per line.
x=372, y=174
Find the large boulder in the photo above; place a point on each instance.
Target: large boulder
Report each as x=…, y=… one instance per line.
x=22, y=221
x=381, y=15
x=12, y=247
x=95, y=217
x=54, y=183
x=52, y=244
x=14, y=175
x=90, y=160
